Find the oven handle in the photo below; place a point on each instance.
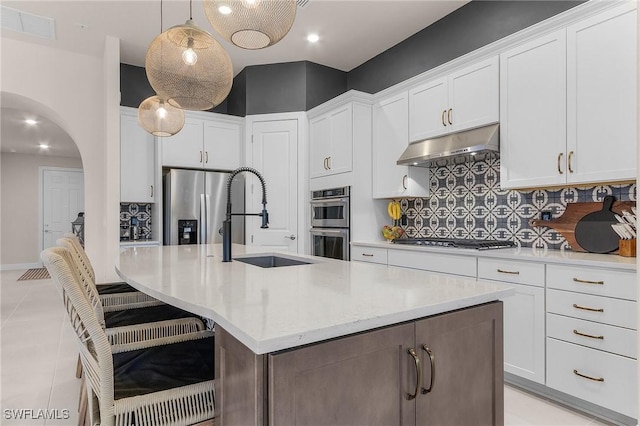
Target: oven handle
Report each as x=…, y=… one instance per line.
x=321, y=231
x=330, y=200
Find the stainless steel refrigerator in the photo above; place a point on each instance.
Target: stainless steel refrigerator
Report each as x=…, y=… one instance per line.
x=195, y=206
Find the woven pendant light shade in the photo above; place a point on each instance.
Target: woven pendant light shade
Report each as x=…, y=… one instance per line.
x=251, y=24
x=159, y=118
x=189, y=68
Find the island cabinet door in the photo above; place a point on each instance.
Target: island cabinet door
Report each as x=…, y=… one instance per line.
x=357, y=380
x=461, y=354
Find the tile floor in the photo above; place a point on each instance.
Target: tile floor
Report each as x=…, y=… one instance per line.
x=38, y=361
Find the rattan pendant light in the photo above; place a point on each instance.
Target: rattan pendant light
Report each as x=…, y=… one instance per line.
x=159, y=118
x=189, y=68
x=251, y=24
x=156, y=116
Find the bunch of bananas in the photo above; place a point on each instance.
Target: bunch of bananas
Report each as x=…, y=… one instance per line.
x=393, y=208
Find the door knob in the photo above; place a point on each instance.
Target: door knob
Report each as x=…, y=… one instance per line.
x=291, y=237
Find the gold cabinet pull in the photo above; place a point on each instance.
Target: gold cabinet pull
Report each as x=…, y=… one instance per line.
x=569, y=162
x=502, y=271
x=404, y=181
x=367, y=254
x=444, y=123
x=206, y=154
x=201, y=156
x=416, y=361
x=325, y=162
x=559, y=161
x=591, y=336
x=578, y=280
x=432, y=364
x=449, y=115
x=151, y=191
x=584, y=308
x=595, y=379
x=329, y=163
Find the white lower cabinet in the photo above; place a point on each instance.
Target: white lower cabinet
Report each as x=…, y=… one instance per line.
x=524, y=353
x=602, y=378
x=435, y=262
x=592, y=337
x=369, y=254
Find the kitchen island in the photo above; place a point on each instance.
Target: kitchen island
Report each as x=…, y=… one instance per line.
x=335, y=342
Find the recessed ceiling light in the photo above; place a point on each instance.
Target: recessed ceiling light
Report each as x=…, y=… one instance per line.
x=225, y=10
x=44, y=145
x=313, y=38
x=31, y=121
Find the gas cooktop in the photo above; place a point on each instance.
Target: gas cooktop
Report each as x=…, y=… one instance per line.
x=456, y=243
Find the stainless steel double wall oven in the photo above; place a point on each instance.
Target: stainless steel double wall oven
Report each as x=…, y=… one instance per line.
x=330, y=223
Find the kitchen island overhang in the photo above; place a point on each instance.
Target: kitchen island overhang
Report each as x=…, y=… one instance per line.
x=273, y=309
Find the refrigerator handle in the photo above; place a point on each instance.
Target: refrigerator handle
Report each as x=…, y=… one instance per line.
x=207, y=219
x=203, y=220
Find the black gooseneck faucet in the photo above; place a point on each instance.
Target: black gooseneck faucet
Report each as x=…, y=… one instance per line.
x=226, y=225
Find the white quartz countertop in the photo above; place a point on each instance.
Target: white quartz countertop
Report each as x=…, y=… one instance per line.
x=567, y=257
x=271, y=309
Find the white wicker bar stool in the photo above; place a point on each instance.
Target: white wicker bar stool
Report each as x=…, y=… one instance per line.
x=162, y=380
x=112, y=295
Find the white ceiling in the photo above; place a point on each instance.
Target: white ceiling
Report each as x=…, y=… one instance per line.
x=351, y=32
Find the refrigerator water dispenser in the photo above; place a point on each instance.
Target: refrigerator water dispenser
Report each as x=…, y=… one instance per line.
x=187, y=231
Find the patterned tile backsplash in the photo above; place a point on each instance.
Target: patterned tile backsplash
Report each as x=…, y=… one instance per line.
x=467, y=202
x=141, y=212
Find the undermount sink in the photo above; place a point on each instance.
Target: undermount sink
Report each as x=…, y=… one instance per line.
x=271, y=261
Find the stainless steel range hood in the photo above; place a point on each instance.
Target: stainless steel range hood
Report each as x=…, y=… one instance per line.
x=463, y=144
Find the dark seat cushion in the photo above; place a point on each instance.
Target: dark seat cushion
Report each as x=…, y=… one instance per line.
x=112, y=288
x=144, y=315
x=163, y=367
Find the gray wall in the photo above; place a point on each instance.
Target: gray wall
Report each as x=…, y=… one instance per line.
x=470, y=27
x=300, y=86
x=135, y=88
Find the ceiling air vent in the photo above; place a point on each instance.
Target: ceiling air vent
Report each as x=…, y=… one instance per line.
x=302, y=3
x=28, y=23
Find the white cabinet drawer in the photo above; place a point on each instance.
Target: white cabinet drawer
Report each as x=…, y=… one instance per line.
x=593, y=308
x=609, y=338
x=603, y=282
x=616, y=391
x=436, y=262
x=511, y=271
x=369, y=254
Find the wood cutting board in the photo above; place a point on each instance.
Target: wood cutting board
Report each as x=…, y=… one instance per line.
x=566, y=224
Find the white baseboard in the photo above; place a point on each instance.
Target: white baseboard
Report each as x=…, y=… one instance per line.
x=13, y=267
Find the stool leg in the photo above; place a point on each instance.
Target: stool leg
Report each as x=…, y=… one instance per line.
x=79, y=368
x=82, y=404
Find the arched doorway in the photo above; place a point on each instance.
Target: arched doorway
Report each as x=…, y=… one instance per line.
x=42, y=181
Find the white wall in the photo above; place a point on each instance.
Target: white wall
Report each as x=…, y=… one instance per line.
x=19, y=186
x=72, y=89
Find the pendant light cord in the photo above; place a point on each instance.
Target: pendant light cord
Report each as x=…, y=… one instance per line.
x=160, y=16
x=191, y=9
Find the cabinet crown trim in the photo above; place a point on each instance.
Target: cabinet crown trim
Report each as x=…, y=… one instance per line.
x=345, y=98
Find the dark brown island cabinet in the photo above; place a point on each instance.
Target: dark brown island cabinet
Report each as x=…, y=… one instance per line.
x=446, y=369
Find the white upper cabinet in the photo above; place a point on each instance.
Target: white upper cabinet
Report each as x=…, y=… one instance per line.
x=185, y=148
x=602, y=110
x=137, y=160
x=464, y=99
x=390, y=131
x=204, y=142
x=533, y=113
x=221, y=145
x=331, y=142
x=568, y=104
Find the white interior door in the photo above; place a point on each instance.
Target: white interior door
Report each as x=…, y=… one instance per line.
x=63, y=199
x=274, y=155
